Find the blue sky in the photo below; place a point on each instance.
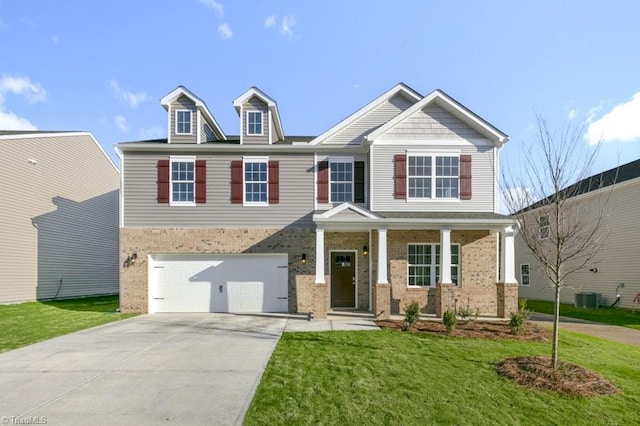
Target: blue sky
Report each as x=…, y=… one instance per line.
x=103, y=66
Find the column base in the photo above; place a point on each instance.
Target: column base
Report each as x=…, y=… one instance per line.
x=445, y=298
x=382, y=301
x=507, y=299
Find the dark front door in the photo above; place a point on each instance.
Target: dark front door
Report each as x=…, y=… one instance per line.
x=343, y=279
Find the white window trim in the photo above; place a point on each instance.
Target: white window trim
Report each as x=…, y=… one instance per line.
x=261, y=123
x=528, y=274
x=190, y=122
x=433, y=265
x=244, y=198
x=541, y=227
x=433, y=155
x=181, y=159
x=342, y=159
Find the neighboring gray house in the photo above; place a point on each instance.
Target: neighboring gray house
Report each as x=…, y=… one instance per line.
x=396, y=203
x=615, y=269
x=59, y=216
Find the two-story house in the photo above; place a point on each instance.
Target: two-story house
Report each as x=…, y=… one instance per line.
x=397, y=202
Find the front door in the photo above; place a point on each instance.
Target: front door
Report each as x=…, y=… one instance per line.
x=343, y=279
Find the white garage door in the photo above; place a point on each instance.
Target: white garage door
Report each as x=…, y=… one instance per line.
x=218, y=283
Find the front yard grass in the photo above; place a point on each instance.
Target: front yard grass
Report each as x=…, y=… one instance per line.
x=612, y=316
x=392, y=377
x=26, y=323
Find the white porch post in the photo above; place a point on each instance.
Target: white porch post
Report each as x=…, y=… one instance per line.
x=320, y=256
x=445, y=256
x=382, y=256
x=508, y=256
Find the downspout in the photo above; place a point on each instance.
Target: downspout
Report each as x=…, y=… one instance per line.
x=120, y=155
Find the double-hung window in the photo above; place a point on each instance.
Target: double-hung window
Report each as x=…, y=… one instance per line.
x=254, y=123
x=255, y=180
x=183, y=180
x=433, y=176
x=524, y=274
x=183, y=122
x=341, y=171
x=544, y=227
x=424, y=264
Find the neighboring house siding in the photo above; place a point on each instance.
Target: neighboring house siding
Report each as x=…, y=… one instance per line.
x=182, y=103
x=60, y=219
x=354, y=132
x=618, y=258
x=294, y=208
x=255, y=104
x=483, y=179
x=432, y=122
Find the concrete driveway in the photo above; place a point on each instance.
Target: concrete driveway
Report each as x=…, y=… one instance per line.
x=154, y=369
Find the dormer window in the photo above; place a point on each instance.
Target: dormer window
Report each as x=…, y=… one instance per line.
x=183, y=122
x=254, y=123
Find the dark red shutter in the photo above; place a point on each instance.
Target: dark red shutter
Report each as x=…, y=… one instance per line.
x=323, y=182
x=400, y=176
x=465, y=177
x=163, y=181
x=274, y=182
x=236, y=181
x=358, y=181
x=201, y=181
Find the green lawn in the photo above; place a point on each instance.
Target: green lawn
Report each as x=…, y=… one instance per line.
x=389, y=377
x=26, y=323
x=613, y=316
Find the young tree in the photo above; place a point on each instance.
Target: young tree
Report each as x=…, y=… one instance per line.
x=544, y=199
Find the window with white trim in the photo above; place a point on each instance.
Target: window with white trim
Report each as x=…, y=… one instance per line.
x=183, y=180
x=255, y=180
x=254, y=123
x=426, y=181
x=544, y=227
x=183, y=122
x=341, y=177
x=524, y=274
x=423, y=263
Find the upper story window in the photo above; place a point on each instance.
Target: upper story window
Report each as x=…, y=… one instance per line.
x=254, y=123
x=341, y=174
x=544, y=227
x=183, y=180
x=183, y=122
x=423, y=262
x=255, y=180
x=426, y=181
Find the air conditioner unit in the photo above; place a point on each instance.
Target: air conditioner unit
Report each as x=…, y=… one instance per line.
x=587, y=300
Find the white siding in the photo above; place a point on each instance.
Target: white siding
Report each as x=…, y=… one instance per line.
x=59, y=219
x=354, y=132
x=618, y=258
x=382, y=158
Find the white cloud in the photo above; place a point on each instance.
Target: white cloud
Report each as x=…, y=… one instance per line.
x=154, y=132
x=23, y=86
x=213, y=4
x=121, y=122
x=131, y=98
x=271, y=21
x=288, y=22
x=572, y=114
x=225, y=31
x=10, y=121
x=619, y=124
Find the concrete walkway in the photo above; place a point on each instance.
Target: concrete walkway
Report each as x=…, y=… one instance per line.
x=297, y=324
x=616, y=333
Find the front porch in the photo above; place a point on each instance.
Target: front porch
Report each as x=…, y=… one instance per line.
x=443, y=262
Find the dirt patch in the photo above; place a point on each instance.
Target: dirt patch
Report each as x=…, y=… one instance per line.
x=480, y=329
x=534, y=372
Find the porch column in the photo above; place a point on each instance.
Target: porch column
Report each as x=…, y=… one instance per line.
x=382, y=256
x=320, y=255
x=445, y=256
x=508, y=275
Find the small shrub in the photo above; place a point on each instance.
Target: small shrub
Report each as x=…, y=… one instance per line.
x=519, y=318
x=466, y=314
x=411, y=315
x=450, y=320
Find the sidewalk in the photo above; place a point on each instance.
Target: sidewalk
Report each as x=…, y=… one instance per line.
x=616, y=333
x=336, y=321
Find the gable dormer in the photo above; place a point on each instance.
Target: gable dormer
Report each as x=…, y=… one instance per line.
x=189, y=120
x=259, y=118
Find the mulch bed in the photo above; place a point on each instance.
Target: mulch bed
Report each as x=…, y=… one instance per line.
x=534, y=372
